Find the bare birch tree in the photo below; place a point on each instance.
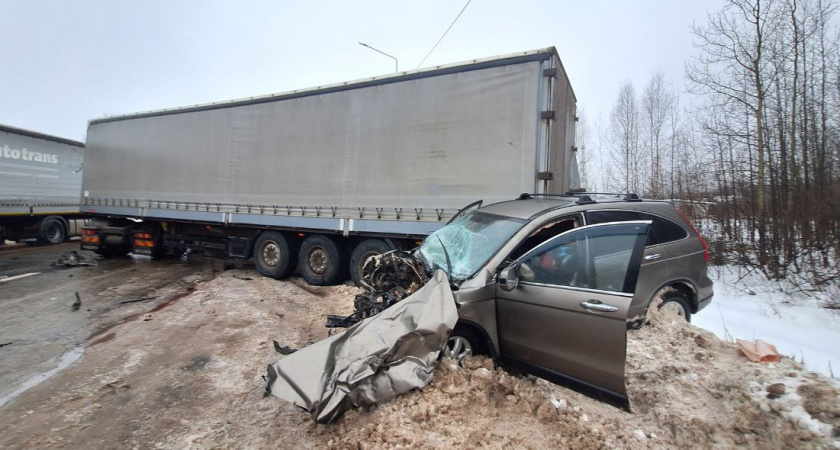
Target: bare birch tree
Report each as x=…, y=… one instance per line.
x=657, y=103
x=768, y=76
x=624, y=135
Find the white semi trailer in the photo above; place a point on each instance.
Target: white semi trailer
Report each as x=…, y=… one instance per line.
x=40, y=182
x=319, y=179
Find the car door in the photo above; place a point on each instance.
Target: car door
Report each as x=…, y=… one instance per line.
x=655, y=268
x=562, y=307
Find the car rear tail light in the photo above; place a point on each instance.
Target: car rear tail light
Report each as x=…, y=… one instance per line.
x=702, y=241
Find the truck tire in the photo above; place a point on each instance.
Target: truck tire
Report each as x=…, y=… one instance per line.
x=363, y=251
x=51, y=231
x=321, y=260
x=160, y=251
x=273, y=255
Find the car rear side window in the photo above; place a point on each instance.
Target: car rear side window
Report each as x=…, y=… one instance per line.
x=662, y=230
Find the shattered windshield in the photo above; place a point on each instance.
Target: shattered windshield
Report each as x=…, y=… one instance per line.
x=471, y=240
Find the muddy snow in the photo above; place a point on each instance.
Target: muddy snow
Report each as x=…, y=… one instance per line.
x=189, y=373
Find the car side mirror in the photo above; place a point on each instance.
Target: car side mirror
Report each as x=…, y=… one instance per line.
x=508, y=278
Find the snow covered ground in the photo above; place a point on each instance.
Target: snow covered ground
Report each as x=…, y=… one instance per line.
x=754, y=308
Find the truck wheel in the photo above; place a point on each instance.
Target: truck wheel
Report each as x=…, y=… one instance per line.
x=273, y=255
x=363, y=251
x=321, y=260
x=51, y=231
x=160, y=251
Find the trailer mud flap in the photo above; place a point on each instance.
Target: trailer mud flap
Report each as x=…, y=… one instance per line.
x=373, y=361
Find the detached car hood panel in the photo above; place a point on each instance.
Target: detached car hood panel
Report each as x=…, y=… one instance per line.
x=376, y=359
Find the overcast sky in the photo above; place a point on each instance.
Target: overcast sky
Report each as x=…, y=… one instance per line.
x=64, y=63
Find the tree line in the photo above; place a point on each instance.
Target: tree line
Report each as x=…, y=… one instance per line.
x=755, y=159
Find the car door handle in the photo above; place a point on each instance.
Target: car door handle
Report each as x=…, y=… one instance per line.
x=596, y=305
x=652, y=257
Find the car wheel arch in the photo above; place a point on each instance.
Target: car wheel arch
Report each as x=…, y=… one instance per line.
x=684, y=286
x=478, y=330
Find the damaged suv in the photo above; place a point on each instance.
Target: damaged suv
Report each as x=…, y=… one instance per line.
x=549, y=284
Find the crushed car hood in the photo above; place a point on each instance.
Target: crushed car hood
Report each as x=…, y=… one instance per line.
x=377, y=359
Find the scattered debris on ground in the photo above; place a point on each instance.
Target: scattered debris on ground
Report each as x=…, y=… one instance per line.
x=388, y=278
x=76, y=304
x=76, y=258
x=193, y=378
x=135, y=300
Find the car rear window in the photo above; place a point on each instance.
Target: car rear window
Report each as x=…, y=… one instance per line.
x=662, y=230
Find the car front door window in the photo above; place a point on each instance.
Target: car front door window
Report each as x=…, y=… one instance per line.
x=596, y=259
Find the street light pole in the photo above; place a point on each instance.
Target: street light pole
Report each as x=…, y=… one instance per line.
x=380, y=51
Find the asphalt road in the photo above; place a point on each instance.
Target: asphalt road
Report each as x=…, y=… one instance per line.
x=41, y=332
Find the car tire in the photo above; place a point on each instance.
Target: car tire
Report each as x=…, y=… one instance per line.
x=274, y=255
x=321, y=260
x=463, y=342
x=363, y=251
x=51, y=231
x=677, y=303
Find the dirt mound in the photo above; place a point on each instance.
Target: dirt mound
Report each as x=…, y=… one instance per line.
x=686, y=388
x=192, y=377
x=482, y=405
x=697, y=388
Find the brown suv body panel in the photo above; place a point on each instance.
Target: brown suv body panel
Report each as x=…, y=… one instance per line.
x=544, y=326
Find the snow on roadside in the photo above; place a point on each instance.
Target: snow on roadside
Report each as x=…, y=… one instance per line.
x=754, y=308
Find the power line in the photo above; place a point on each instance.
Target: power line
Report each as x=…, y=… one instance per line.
x=444, y=34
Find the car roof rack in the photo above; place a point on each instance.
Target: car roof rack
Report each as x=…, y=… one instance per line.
x=527, y=196
x=584, y=198
x=627, y=197
x=581, y=199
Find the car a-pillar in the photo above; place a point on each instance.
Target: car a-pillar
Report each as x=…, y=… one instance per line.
x=275, y=254
x=322, y=260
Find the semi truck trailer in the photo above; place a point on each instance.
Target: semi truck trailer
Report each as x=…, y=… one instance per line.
x=40, y=185
x=318, y=180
